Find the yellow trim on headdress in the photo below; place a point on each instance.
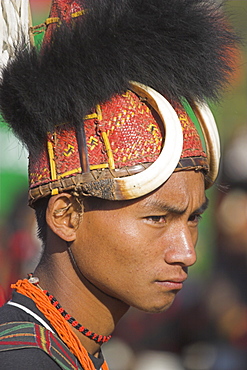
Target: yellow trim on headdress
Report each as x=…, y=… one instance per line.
x=99, y=166
x=108, y=150
x=71, y=172
x=99, y=112
x=106, y=140
x=52, y=165
x=77, y=14
x=96, y=115
x=78, y=170
x=58, y=20
x=52, y=20
x=91, y=116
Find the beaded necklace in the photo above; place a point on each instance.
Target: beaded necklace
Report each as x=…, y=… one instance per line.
x=47, y=304
x=89, y=334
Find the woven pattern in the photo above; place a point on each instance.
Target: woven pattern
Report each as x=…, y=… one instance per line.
x=21, y=335
x=39, y=171
x=132, y=131
x=133, y=136
x=64, y=8
x=192, y=146
x=130, y=126
x=60, y=10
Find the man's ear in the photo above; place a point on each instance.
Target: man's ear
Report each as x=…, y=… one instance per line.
x=63, y=215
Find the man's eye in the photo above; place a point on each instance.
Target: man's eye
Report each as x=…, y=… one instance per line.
x=195, y=218
x=156, y=219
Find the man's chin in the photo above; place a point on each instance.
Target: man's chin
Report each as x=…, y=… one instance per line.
x=157, y=308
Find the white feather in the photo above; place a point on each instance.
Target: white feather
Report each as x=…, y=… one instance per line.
x=14, y=21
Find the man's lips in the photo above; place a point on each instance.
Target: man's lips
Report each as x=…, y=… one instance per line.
x=172, y=284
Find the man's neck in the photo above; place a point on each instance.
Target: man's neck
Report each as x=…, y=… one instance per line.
x=92, y=308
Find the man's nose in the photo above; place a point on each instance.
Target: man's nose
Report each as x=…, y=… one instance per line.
x=182, y=248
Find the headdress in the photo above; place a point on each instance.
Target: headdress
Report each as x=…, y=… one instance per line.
x=99, y=106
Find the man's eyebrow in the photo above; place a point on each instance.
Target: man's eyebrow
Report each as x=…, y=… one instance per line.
x=156, y=205
x=203, y=207
x=159, y=206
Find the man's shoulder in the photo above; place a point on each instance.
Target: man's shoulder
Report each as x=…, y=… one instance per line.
x=27, y=359
x=10, y=313
x=19, y=348
x=16, y=321
x=23, y=345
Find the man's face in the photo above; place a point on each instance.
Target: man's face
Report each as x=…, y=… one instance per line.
x=139, y=251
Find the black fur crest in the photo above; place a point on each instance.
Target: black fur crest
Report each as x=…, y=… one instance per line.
x=181, y=48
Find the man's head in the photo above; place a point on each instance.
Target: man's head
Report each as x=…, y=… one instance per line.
x=137, y=251
x=117, y=167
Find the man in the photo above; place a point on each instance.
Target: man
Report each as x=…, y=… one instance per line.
x=117, y=172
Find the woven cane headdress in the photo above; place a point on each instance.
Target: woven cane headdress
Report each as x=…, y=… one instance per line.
x=100, y=105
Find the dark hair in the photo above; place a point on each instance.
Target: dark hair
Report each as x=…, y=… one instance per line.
x=183, y=49
x=40, y=207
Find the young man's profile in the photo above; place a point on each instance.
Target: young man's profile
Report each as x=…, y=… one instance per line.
x=117, y=167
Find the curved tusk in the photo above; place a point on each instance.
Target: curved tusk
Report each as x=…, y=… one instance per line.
x=154, y=176
x=212, y=140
